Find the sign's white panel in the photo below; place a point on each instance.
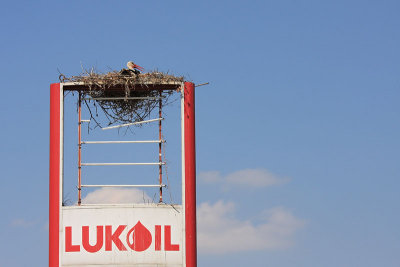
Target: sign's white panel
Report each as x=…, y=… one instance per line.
x=143, y=235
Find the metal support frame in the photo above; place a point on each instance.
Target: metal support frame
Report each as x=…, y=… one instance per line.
x=122, y=98
x=56, y=173
x=124, y=185
x=122, y=163
x=160, y=141
x=190, y=175
x=79, y=148
x=122, y=142
x=132, y=123
x=160, y=144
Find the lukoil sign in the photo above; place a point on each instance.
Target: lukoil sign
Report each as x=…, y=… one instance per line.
x=137, y=238
x=147, y=234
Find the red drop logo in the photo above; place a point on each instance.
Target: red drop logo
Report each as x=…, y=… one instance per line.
x=141, y=237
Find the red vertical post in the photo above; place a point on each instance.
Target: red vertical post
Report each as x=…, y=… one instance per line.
x=54, y=174
x=79, y=148
x=190, y=174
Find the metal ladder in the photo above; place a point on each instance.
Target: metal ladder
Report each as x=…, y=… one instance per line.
x=160, y=141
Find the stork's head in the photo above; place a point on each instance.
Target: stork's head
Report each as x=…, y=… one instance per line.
x=133, y=66
x=130, y=65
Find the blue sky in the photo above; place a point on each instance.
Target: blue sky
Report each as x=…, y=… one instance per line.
x=297, y=133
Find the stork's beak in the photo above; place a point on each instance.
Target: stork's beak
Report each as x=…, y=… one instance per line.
x=138, y=67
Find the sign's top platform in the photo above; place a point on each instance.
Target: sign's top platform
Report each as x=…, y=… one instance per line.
x=122, y=81
x=81, y=86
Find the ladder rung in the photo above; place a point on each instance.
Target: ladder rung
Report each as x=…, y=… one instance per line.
x=132, y=123
x=123, y=185
x=123, y=98
x=122, y=142
x=122, y=164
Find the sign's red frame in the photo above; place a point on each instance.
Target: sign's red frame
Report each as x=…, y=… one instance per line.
x=55, y=172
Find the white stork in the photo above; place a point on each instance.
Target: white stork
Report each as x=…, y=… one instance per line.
x=134, y=68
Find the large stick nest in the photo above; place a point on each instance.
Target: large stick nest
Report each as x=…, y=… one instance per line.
x=122, y=109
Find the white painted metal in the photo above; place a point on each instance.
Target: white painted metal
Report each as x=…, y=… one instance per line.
x=133, y=123
x=123, y=163
x=123, y=185
x=122, y=98
x=85, y=120
x=122, y=142
x=126, y=217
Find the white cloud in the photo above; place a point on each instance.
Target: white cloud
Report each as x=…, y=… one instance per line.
x=220, y=232
x=116, y=196
x=246, y=177
x=22, y=223
x=46, y=226
x=254, y=177
x=210, y=177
